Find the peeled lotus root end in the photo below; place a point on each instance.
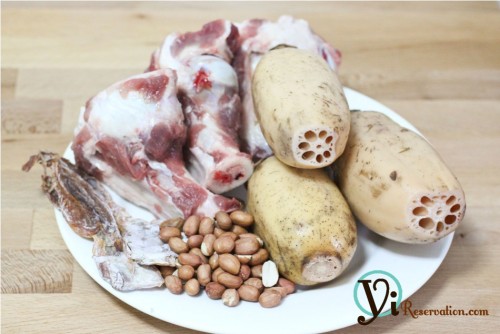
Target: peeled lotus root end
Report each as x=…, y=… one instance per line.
x=315, y=147
x=321, y=268
x=436, y=214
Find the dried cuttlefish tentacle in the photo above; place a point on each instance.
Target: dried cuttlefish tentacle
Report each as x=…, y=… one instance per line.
x=71, y=194
x=141, y=237
x=143, y=244
x=91, y=212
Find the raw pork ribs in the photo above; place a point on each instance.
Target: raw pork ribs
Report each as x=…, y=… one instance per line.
x=208, y=90
x=131, y=136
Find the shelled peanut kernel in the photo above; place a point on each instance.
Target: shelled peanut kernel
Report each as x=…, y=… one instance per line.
x=222, y=257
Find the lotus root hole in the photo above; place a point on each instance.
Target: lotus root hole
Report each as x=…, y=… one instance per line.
x=450, y=219
x=310, y=136
x=420, y=211
x=308, y=155
x=322, y=134
x=326, y=154
x=304, y=146
x=439, y=226
x=328, y=139
x=426, y=223
x=426, y=201
x=455, y=208
x=319, y=158
x=450, y=200
x=438, y=212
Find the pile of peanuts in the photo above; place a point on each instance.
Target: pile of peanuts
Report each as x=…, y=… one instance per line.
x=224, y=258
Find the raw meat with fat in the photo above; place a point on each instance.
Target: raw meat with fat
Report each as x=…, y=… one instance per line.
x=256, y=38
x=131, y=137
x=208, y=90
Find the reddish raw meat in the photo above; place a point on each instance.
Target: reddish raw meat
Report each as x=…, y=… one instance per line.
x=256, y=38
x=208, y=88
x=131, y=137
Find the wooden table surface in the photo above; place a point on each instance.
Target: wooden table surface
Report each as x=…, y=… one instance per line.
x=437, y=64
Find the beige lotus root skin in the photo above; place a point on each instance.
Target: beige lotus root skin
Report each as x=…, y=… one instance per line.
x=301, y=108
x=396, y=184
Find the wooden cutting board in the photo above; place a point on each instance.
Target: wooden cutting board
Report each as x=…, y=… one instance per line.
x=437, y=64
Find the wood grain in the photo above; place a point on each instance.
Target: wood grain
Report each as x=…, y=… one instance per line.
x=436, y=64
x=31, y=116
x=16, y=234
x=36, y=271
x=9, y=78
x=44, y=233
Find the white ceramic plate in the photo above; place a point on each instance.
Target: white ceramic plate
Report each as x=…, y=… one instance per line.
x=313, y=310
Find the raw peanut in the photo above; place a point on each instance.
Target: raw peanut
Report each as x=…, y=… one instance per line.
x=173, y=222
x=269, y=298
x=245, y=272
x=214, y=261
x=191, y=259
x=288, y=285
x=257, y=271
x=198, y=252
x=204, y=274
x=229, y=263
x=216, y=274
x=195, y=241
x=238, y=230
x=165, y=271
x=215, y=290
x=260, y=257
x=230, y=281
x=223, y=220
x=191, y=225
x=192, y=287
x=280, y=290
x=255, y=282
x=224, y=245
x=244, y=259
x=206, y=226
x=249, y=293
x=174, y=284
x=168, y=232
x=230, y=234
x=270, y=274
x=186, y=272
x=218, y=232
x=230, y=297
x=207, y=246
x=252, y=235
x=241, y=218
x=177, y=245
x=246, y=246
